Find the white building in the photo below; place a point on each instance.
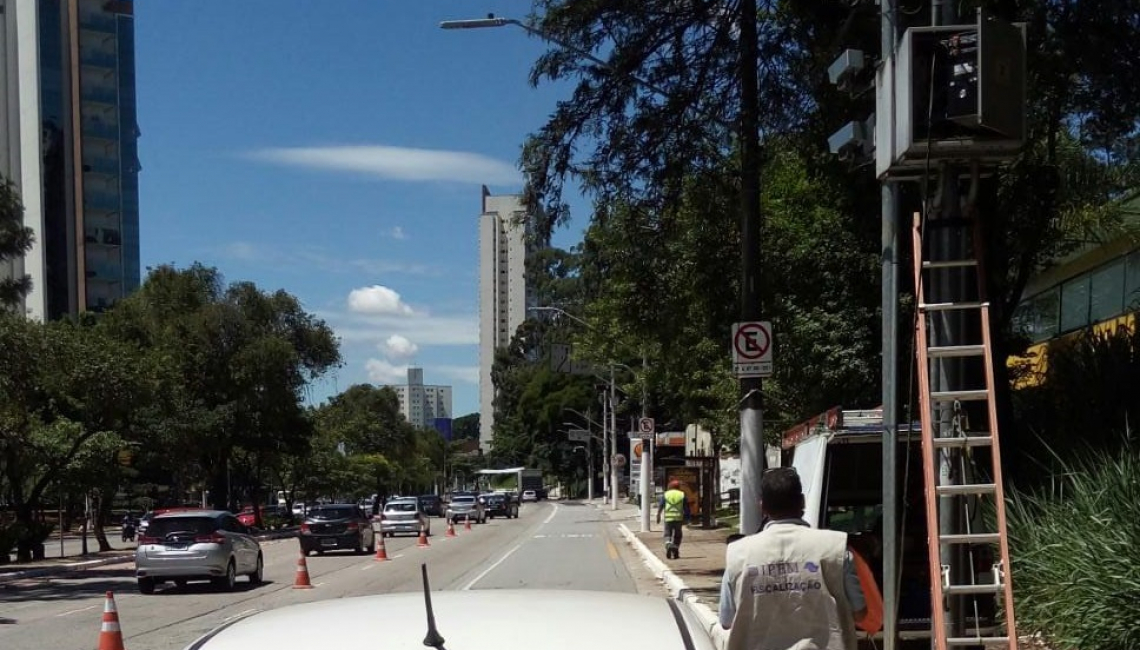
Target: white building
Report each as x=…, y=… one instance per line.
x=420, y=404
x=503, y=293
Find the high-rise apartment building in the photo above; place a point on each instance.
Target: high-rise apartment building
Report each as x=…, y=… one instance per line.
x=504, y=297
x=69, y=144
x=423, y=405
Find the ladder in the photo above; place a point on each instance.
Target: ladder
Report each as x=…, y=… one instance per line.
x=949, y=442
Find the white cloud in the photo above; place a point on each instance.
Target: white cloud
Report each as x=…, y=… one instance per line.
x=381, y=371
x=397, y=163
x=309, y=259
x=397, y=233
x=399, y=347
x=379, y=300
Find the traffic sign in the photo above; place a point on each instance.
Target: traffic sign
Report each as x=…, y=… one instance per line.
x=578, y=435
x=646, y=428
x=619, y=460
x=752, y=349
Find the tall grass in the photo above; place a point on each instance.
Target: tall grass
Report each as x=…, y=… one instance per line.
x=1075, y=551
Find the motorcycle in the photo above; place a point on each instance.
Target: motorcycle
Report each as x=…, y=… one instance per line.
x=129, y=532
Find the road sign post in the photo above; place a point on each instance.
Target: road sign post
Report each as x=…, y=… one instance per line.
x=752, y=349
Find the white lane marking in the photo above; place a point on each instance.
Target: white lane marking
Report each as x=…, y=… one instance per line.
x=506, y=555
x=75, y=611
x=492, y=567
x=239, y=615
x=367, y=567
x=395, y=557
x=551, y=515
x=318, y=584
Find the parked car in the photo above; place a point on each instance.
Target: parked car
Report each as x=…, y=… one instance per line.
x=500, y=505
x=404, y=515
x=335, y=527
x=529, y=495
x=196, y=545
x=432, y=505
x=557, y=619
x=466, y=506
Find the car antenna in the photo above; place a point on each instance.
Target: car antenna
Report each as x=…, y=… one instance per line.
x=433, y=638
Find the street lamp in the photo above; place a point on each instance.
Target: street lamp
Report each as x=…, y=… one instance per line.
x=752, y=459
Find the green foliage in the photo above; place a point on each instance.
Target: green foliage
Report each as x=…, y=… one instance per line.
x=1086, y=396
x=15, y=240
x=1075, y=551
x=465, y=427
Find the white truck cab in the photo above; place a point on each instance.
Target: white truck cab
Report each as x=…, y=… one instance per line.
x=838, y=456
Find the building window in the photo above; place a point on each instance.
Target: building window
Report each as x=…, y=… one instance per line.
x=1106, y=292
x=1132, y=282
x=1039, y=316
x=1075, y=304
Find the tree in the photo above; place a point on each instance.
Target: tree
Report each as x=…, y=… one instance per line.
x=236, y=362
x=15, y=240
x=465, y=427
x=70, y=393
x=367, y=422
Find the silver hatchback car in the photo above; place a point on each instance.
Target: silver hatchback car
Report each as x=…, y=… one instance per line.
x=197, y=545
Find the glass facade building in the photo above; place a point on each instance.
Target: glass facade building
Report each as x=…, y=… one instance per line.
x=90, y=153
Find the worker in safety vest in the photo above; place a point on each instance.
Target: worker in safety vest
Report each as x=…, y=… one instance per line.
x=675, y=506
x=790, y=586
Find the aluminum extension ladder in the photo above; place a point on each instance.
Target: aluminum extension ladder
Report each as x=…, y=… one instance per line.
x=948, y=443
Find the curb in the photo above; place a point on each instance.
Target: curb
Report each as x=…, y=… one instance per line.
x=677, y=588
x=64, y=568
x=116, y=559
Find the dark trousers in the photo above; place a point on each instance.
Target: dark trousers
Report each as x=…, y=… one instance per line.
x=674, y=532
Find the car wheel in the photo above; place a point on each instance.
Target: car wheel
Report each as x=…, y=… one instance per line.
x=229, y=580
x=359, y=548
x=258, y=574
x=146, y=585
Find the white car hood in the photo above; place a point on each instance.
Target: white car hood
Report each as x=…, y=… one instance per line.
x=517, y=619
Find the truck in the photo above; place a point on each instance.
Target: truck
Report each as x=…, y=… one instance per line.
x=531, y=479
x=838, y=456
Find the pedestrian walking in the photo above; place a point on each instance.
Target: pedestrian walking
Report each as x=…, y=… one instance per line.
x=675, y=506
x=789, y=587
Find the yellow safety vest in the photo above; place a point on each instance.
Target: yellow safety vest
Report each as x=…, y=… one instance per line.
x=674, y=505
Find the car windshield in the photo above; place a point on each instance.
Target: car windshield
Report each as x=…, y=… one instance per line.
x=332, y=512
x=401, y=506
x=163, y=527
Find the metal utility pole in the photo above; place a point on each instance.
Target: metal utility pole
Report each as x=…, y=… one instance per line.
x=752, y=457
x=605, y=445
x=890, y=361
x=646, y=462
x=615, y=483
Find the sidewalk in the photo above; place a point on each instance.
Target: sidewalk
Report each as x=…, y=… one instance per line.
x=695, y=577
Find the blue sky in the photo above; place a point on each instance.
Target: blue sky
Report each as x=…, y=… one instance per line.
x=336, y=150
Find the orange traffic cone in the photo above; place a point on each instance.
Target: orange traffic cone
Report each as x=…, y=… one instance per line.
x=451, y=529
x=423, y=543
x=381, y=551
x=467, y=522
x=110, y=636
x=302, y=580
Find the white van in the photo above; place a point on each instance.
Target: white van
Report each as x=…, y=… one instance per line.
x=838, y=456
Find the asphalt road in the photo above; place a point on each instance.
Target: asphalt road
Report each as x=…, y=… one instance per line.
x=551, y=545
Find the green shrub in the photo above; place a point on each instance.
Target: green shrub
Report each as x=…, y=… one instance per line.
x=1075, y=551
